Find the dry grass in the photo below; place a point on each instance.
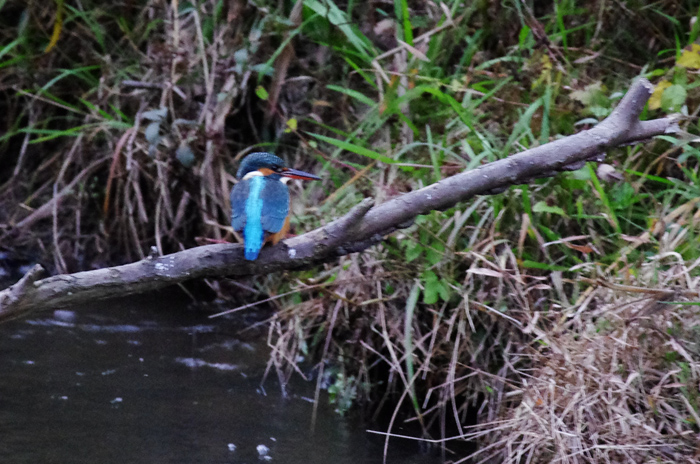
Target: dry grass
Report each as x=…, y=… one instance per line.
x=487, y=322
x=612, y=377
x=125, y=134
x=617, y=382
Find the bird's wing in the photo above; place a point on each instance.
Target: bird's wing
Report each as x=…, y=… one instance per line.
x=275, y=197
x=238, y=198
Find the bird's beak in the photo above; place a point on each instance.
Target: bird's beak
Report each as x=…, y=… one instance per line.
x=296, y=174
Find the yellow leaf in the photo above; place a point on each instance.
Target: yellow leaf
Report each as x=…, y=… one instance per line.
x=655, y=99
x=690, y=58
x=291, y=126
x=546, y=74
x=57, y=26
x=546, y=63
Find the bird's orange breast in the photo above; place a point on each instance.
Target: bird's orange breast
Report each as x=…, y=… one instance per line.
x=275, y=238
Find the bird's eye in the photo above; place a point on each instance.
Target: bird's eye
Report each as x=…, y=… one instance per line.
x=277, y=168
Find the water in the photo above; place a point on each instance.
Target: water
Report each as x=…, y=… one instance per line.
x=146, y=381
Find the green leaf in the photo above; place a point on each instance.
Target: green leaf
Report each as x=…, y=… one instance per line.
x=548, y=267
x=362, y=98
x=7, y=48
x=351, y=147
x=600, y=112
x=97, y=109
x=590, y=94
x=663, y=180
x=524, y=33
x=413, y=251
x=542, y=207
x=673, y=98
x=337, y=17
x=623, y=196
x=401, y=7
x=444, y=290
x=435, y=252
x=261, y=92
x=431, y=287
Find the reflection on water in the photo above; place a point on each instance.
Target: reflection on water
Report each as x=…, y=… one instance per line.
x=145, y=381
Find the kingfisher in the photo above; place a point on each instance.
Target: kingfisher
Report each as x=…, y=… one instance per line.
x=260, y=200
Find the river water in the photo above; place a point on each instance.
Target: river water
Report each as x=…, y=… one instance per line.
x=150, y=381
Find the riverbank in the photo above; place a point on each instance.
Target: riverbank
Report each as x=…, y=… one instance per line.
x=556, y=319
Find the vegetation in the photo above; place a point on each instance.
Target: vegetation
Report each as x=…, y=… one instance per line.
x=555, y=321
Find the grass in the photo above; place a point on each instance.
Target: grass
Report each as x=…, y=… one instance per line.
x=527, y=323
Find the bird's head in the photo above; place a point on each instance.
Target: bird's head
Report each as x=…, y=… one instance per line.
x=267, y=164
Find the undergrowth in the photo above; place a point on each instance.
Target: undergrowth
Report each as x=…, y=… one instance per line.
x=554, y=322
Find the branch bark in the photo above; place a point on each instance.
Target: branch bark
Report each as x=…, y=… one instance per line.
x=364, y=226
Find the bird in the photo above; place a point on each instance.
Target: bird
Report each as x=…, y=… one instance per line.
x=260, y=200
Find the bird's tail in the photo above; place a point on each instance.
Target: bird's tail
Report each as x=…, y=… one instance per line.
x=253, y=238
x=253, y=233
x=251, y=254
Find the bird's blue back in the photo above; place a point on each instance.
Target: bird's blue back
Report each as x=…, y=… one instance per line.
x=259, y=206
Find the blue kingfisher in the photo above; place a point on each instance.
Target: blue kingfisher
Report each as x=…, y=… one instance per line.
x=260, y=200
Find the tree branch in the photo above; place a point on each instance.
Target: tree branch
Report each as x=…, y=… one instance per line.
x=364, y=226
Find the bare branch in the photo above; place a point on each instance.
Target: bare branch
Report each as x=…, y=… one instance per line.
x=10, y=297
x=364, y=226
